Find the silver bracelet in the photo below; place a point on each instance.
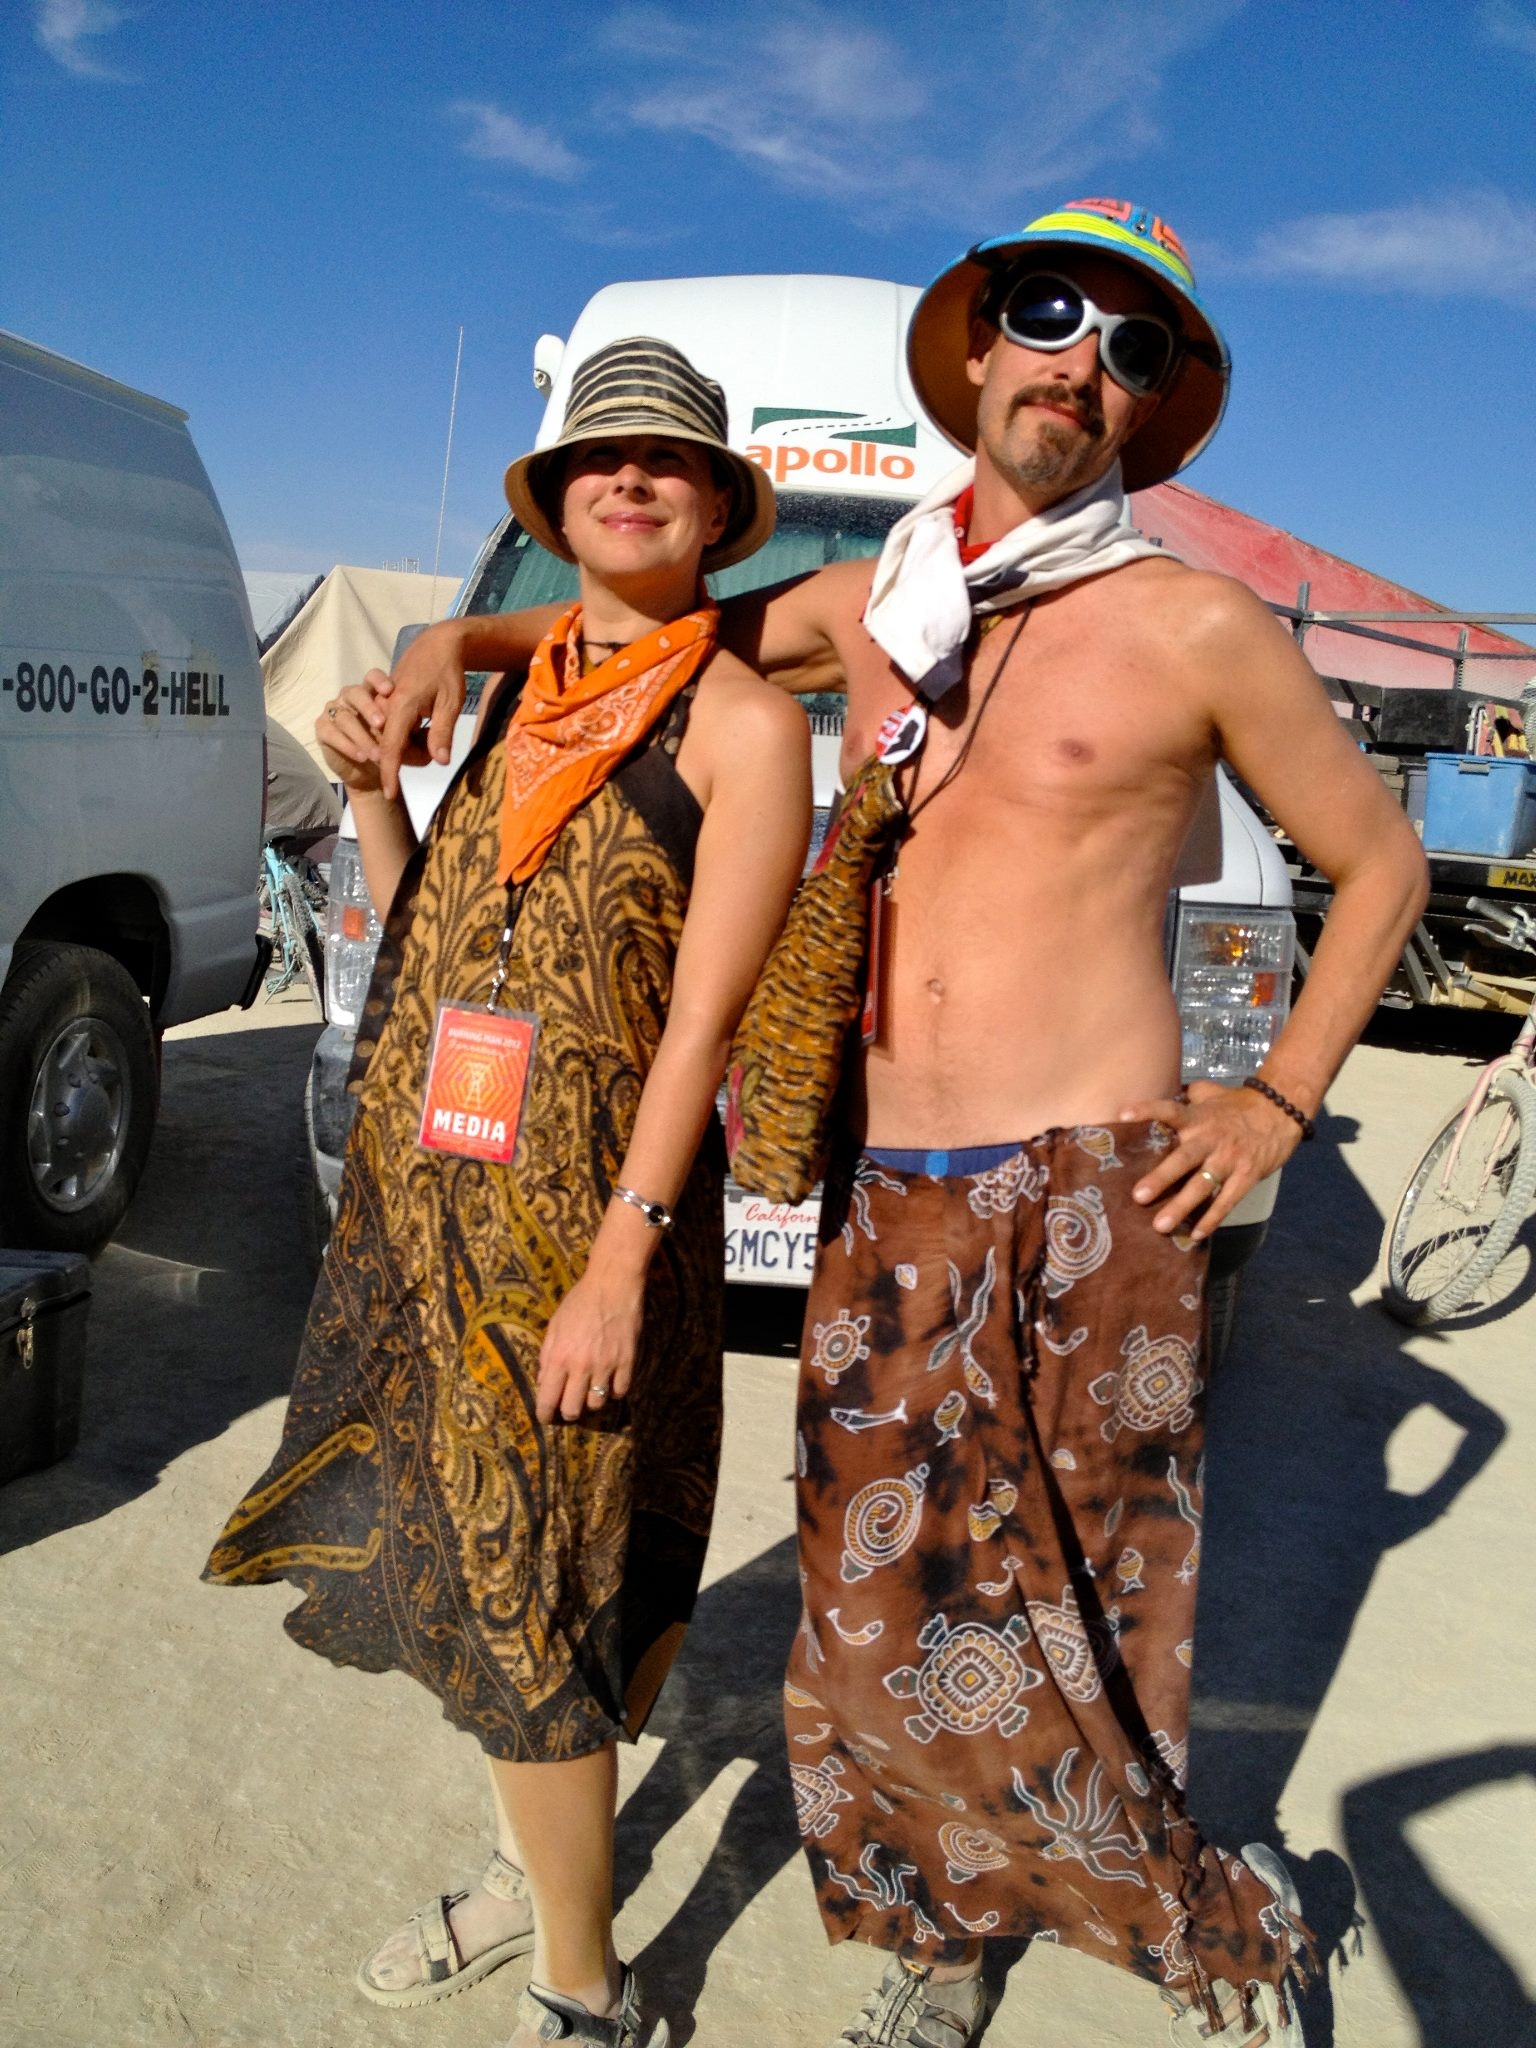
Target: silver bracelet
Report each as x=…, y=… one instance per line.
x=656, y=1214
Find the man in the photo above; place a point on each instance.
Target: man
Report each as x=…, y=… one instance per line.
x=1000, y=1415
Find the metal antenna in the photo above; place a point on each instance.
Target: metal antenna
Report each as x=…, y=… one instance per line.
x=442, y=503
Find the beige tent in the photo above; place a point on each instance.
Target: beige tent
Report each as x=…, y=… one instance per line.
x=347, y=628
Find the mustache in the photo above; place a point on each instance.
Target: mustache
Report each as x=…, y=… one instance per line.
x=1084, y=408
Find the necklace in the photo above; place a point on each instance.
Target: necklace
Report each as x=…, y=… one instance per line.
x=595, y=652
x=966, y=744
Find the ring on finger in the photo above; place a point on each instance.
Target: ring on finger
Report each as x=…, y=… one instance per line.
x=597, y=1394
x=1217, y=1184
x=330, y=710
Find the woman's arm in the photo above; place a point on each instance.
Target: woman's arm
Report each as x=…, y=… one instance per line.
x=750, y=853
x=386, y=839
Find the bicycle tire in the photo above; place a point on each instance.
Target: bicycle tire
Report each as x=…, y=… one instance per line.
x=311, y=951
x=1485, y=1247
x=273, y=918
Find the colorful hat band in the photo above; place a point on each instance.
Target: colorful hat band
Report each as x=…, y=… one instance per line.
x=1192, y=399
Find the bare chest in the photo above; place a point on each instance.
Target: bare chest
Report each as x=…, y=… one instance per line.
x=1056, y=718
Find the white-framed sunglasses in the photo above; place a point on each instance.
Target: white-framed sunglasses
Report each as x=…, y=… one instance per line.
x=1040, y=309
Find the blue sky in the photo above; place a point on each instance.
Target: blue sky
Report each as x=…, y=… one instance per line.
x=278, y=214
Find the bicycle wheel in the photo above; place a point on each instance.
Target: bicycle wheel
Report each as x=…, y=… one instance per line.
x=305, y=940
x=1453, y=1223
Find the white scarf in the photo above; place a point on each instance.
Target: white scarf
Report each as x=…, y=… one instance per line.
x=923, y=597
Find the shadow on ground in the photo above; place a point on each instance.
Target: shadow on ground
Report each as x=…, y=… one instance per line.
x=1473, y=1035
x=198, y=1304
x=1462, y=1991
x=1300, y=1510
x=722, y=1705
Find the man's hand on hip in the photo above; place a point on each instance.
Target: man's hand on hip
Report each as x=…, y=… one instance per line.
x=1228, y=1140
x=427, y=685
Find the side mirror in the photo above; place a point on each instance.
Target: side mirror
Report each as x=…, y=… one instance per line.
x=403, y=640
x=548, y=355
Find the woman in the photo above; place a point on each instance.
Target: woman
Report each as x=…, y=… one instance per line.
x=498, y=1467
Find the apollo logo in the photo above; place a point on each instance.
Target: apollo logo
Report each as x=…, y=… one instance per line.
x=870, y=443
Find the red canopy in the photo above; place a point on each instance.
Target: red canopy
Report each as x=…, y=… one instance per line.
x=1210, y=535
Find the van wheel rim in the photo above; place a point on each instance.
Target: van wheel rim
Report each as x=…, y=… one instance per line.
x=78, y=1124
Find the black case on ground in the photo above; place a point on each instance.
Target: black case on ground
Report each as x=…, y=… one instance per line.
x=44, y=1297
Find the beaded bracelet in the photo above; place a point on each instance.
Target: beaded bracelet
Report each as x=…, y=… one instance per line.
x=1308, y=1128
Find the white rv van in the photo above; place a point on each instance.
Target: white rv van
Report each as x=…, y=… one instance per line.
x=814, y=370
x=130, y=782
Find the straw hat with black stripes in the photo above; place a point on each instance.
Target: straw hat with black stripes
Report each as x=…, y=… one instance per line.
x=643, y=386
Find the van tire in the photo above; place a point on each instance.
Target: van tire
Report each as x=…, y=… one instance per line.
x=77, y=1013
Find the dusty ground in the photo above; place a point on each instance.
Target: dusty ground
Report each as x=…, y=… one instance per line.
x=202, y=1827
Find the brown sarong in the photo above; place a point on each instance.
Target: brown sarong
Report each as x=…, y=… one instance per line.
x=999, y=1460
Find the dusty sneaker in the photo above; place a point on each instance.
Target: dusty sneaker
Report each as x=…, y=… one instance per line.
x=909, y=2009
x=1284, y=1917
x=1267, y=2029
x=546, y=2016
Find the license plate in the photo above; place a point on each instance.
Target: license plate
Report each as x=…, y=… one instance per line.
x=769, y=1243
x=1513, y=878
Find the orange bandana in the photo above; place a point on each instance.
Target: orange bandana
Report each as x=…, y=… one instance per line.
x=564, y=743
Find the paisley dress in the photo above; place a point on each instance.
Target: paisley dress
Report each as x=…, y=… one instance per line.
x=537, y=1578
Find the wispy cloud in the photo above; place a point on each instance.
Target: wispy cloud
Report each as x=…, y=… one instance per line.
x=1480, y=242
x=67, y=30
x=596, y=222
x=495, y=136
x=1502, y=22
x=990, y=104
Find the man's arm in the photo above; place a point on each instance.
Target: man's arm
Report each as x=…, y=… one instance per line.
x=1276, y=726
x=791, y=632
x=788, y=633
x=429, y=682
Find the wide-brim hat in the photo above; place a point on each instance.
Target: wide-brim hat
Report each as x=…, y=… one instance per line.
x=1191, y=404
x=643, y=386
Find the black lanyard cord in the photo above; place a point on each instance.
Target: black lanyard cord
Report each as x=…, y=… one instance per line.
x=515, y=894
x=965, y=748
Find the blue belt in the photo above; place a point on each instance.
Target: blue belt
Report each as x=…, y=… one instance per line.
x=964, y=1159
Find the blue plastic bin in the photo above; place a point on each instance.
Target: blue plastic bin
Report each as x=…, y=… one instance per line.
x=1476, y=804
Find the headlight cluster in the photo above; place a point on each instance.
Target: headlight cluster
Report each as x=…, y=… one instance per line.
x=1232, y=982
x=352, y=935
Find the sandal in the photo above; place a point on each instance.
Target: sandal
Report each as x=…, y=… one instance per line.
x=553, y=2018
x=443, y=1970
x=907, y=2007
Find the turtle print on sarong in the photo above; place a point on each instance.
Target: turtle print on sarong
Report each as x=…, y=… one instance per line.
x=999, y=1469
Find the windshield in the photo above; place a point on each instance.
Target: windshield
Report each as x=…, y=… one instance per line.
x=813, y=529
